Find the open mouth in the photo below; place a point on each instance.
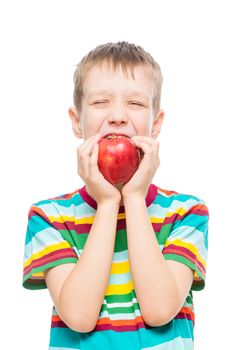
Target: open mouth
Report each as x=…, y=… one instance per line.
x=115, y=135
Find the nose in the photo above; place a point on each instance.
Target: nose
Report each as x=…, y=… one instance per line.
x=118, y=117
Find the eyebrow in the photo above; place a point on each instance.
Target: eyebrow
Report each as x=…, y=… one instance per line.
x=132, y=93
x=98, y=92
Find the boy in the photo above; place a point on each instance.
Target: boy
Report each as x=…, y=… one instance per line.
x=120, y=262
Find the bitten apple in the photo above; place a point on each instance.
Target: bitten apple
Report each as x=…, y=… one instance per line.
x=118, y=158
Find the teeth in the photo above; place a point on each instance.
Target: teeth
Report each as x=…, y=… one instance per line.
x=115, y=135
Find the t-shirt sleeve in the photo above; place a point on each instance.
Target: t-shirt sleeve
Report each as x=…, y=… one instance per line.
x=188, y=241
x=45, y=247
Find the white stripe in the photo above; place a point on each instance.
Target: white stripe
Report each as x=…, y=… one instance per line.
x=120, y=316
x=78, y=211
x=189, y=234
x=40, y=241
x=175, y=205
x=175, y=344
x=123, y=304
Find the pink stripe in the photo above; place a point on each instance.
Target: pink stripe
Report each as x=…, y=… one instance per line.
x=174, y=249
x=182, y=315
x=104, y=327
x=58, y=254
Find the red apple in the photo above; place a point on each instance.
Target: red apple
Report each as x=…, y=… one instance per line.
x=118, y=158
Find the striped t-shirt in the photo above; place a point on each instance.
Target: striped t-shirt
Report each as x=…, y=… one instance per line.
x=56, y=234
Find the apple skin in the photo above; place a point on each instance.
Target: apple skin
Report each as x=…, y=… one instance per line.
x=118, y=158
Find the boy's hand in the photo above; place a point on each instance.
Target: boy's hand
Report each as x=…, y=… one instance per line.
x=138, y=185
x=87, y=159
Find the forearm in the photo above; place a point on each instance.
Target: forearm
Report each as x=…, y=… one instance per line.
x=83, y=291
x=153, y=280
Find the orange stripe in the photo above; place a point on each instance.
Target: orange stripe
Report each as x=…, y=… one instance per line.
x=38, y=210
x=187, y=310
x=56, y=318
x=167, y=192
x=106, y=320
x=200, y=207
x=138, y=319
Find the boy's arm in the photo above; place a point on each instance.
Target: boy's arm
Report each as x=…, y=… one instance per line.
x=161, y=286
x=78, y=289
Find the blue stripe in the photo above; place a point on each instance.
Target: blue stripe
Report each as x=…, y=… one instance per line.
x=80, y=210
x=190, y=234
x=39, y=241
x=109, y=339
x=75, y=199
x=119, y=278
x=176, y=344
x=35, y=224
x=197, y=220
x=62, y=348
x=176, y=204
x=165, y=201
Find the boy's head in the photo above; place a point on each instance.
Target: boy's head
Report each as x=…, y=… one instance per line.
x=117, y=88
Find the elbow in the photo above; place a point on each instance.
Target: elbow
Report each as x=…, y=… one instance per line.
x=159, y=318
x=85, y=322
x=157, y=322
x=163, y=313
x=80, y=326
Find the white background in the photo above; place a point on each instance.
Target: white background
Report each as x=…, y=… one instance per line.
x=41, y=42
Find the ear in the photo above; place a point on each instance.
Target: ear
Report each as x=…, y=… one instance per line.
x=76, y=122
x=157, y=123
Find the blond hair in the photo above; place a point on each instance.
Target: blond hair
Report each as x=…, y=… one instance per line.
x=117, y=54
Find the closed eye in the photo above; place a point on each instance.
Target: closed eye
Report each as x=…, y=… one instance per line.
x=135, y=103
x=99, y=102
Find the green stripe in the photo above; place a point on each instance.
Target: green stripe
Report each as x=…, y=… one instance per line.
x=196, y=285
x=164, y=233
x=42, y=285
x=120, y=298
x=121, y=309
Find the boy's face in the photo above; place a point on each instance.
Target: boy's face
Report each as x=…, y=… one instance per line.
x=114, y=103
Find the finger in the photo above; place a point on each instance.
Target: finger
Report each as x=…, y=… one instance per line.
x=93, y=163
x=94, y=157
x=146, y=139
x=154, y=144
x=88, y=144
x=82, y=164
x=145, y=147
x=84, y=153
x=150, y=152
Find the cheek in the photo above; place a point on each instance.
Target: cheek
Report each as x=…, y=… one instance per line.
x=91, y=125
x=143, y=124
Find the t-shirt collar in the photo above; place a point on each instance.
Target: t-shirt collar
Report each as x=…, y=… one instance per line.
x=150, y=197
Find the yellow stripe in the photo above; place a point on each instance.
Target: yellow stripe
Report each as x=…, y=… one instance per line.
x=86, y=220
x=189, y=246
x=90, y=219
x=120, y=267
x=47, y=250
x=110, y=287
x=156, y=220
x=119, y=288
x=121, y=216
x=39, y=274
x=180, y=211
